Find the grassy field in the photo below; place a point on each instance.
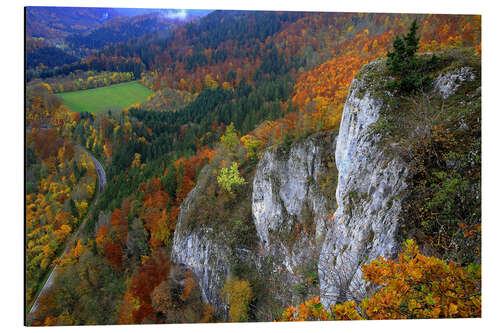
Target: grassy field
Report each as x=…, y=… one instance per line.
x=93, y=100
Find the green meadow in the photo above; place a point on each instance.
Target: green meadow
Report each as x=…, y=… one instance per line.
x=93, y=100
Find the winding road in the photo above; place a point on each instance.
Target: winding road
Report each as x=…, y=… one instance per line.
x=102, y=182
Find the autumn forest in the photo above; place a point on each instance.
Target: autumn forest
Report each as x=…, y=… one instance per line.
x=148, y=134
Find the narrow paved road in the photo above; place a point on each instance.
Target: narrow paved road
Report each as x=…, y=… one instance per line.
x=102, y=181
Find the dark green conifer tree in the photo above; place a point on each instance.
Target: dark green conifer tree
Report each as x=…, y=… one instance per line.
x=403, y=63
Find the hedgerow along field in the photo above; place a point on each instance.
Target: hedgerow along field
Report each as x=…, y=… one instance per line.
x=93, y=100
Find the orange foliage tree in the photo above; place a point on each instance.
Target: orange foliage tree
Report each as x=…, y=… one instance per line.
x=137, y=306
x=413, y=287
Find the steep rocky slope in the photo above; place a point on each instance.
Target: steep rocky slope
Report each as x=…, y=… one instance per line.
x=292, y=198
x=368, y=195
x=292, y=201
x=320, y=207
x=202, y=250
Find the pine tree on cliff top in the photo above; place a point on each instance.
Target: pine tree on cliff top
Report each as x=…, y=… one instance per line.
x=403, y=63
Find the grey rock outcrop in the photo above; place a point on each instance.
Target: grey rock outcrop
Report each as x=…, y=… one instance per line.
x=369, y=183
x=447, y=84
x=201, y=250
x=328, y=204
x=295, y=191
x=292, y=198
x=291, y=208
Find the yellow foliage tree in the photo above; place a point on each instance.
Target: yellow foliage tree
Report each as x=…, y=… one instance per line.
x=209, y=82
x=62, y=233
x=136, y=163
x=413, y=287
x=230, y=138
x=229, y=178
x=238, y=294
x=417, y=286
x=81, y=207
x=251, y=145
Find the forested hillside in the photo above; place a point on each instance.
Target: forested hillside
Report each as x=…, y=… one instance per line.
x=58, y=38
x=249, y=119
x=55, y=23
x=120, y=29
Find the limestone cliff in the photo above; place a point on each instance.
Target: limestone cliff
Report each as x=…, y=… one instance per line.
x=292, y=201
x=320, y=208
x=202, y=251
x=292, y=198
x=365, y=222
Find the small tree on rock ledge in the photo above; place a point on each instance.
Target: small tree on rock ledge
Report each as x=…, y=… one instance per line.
x=230, y=178
x=403, y=63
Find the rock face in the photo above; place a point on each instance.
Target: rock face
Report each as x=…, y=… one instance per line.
x=295, y=192
x=202, y=251
x=322, y=207
x=369, y=183
x=447, y=84
x=293, y=197
x=208, y=260
x=291, y=208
